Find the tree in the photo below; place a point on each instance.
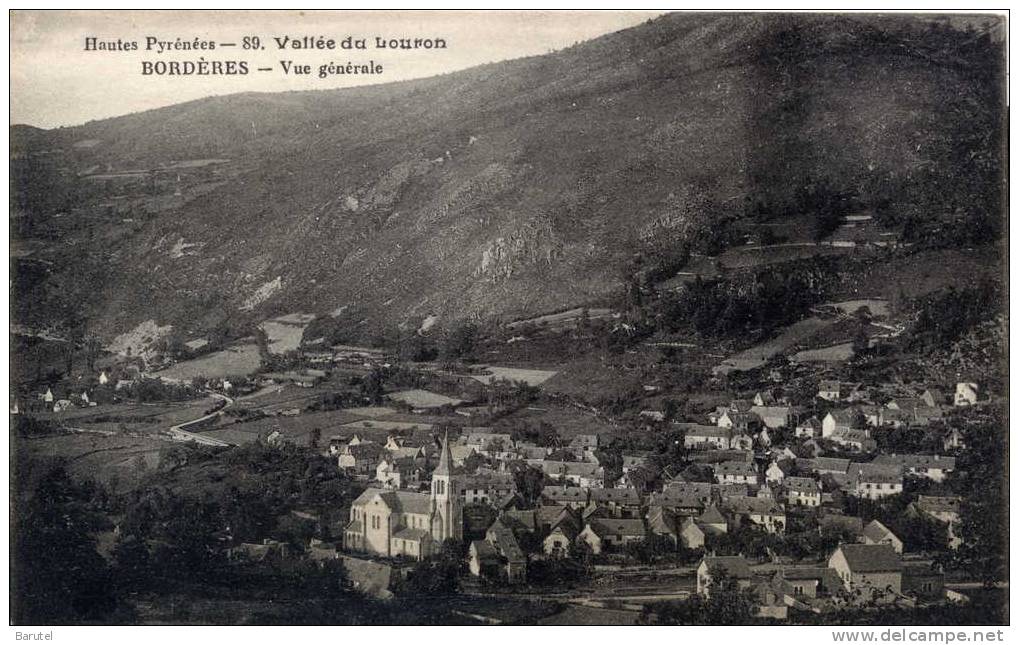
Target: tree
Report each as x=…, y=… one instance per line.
x=57, y=576
x=726, y=603
x=983, y=513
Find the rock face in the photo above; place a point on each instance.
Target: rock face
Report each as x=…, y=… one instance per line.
x=517, y=187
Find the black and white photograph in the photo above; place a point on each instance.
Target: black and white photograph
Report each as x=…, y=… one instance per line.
x=509, y=318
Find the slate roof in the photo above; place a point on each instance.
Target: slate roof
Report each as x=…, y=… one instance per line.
x=916, y=461
x=801, y=485
x=876, y=531
x=871, y=558
x=605, y=526
x=712, y=516
x=734, y=565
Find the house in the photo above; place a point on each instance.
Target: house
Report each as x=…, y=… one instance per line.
x=763, y=512
x=734, y=566
x=874, y=481
x=584, y=443
x=802, y=491
x=774, y=474
x=393, y=472
x=838, y=391
x=361, y=458
x=843, y=525
x=680, y=503
x=745, y=422
x=633, y=461
x=483, y=560
x=874, y=567
x=844, y=419
x=905, y=403
x=573, y=497
x=771, y=602
x=103, y=378
x=617, y=502
x=764, y=398
x=562, y=532
x=825, y=465
x=966, y=394
x=922, y=581
x=742, y=441
x=773, y=416
x=487, y=486
x=267, y=551
x=809, y=429
x=735, y=472
x=511, y=556
x=691, y=535
x=490, y=444
x=807, y=582
x=600, y=533
x=712, y=522
x=933, y=398
x=854, y=439
x=47, y=396
x=933, y=467
x=942, y=509
x=878, y=533
x=663, y=521
x=703, y=437
x=581, y=473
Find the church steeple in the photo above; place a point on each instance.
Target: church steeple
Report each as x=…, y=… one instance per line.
x=447, y=514
x=445, y=466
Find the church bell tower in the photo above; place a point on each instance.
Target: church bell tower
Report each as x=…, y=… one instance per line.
x=447, y=513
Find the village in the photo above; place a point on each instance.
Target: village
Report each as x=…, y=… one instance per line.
x=786, y=499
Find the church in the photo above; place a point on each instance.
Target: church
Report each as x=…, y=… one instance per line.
x=395, y=522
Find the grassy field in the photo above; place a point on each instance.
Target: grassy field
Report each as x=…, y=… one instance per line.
x=240, y=360
x=297, y=429
x=833, y=354
x=759, y=354
x=529, y=376
x=138, y=417
x=569, y=422
x=119, y=461
x=286, y=332
x=422, y=399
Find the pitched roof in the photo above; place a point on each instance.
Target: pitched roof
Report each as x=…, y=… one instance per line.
x=612, y=526
x=932, y=504
x=876, y=531
x=801, y=485
x=735, y=468
x=871, y=558
x=916, y=461
x=615, y=495
x=712, y=516
x=734, y=565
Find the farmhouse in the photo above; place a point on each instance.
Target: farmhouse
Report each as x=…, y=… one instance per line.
x=734, y=566
x=875, y=567
x=878, y=533
x=802, y=491
x=933, y=467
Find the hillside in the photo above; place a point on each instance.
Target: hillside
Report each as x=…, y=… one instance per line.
x=505, y=190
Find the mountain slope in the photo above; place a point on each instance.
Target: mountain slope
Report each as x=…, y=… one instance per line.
x=517, y=187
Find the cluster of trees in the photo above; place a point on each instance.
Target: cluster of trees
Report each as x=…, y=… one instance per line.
x=946, y=315
x=747, y=302
x=726, y=603
x=57, y=576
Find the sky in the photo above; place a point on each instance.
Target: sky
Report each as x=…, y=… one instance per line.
x=56, y=82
